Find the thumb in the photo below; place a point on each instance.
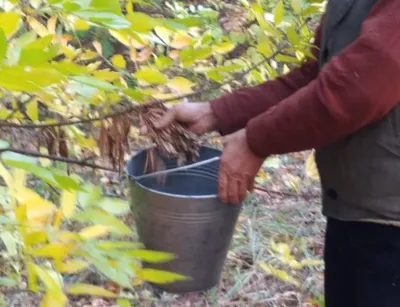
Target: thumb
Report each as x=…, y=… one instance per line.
x=166, y=120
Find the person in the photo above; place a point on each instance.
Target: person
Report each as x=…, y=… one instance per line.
x=344, y=103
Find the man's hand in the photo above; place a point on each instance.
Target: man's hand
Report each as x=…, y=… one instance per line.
x=238, y=169
x=197, y=116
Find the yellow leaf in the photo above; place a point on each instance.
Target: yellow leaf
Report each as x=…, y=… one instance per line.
x=133, y=54
x=129, y=7
x=224, y=48
x=181, y=85
x=38, y=210
x=128, y=40
x=68, y=202
x=118, y=61
x=181, y=40
x=311, y=167
x=36, y=26
x=151, y=76
x=54, y=299
x=95, y=231
x=97, y=45
x=52, y=250
x=163, y=33
x=279, y=274
x=159, y=276
x=58, y=218
x=73, y=266
x=80, y=25
x=9, y=22
x=32, y=276
x=87, y=289
x=32, y=110
x=52, y=25
x=279, y=12
x=106, y=75
x=89, y=55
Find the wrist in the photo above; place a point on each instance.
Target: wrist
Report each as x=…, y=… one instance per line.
x=209, y=117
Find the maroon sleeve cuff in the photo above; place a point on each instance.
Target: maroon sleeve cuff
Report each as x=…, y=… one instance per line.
x=255, y=137
x=222, y=113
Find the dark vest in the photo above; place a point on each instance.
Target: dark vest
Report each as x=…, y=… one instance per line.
x=360, y=173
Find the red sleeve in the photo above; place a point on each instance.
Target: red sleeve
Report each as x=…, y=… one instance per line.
x=234, y=110
x=354, y=89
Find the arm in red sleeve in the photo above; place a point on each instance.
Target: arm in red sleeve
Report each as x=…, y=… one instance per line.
x=356, y=88
x=234, y=110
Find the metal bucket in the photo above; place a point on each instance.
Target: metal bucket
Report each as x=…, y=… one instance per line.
x=183, y=215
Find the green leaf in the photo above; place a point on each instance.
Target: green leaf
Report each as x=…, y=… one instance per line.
x=152, y=256
x=9, y=22
x=88, y=289
x=16, y=159
x=113, y=245
x=296, y=6
x=67, y=183
x=273, y=162
x=123, y=303
x=159, y=276
x=10, y=242
x=151, y=75
x=48, y=280
x=142, y=22
x=3, y=45
x=67, y=68
x=4, y=220
x=4, y=144
x=91, y=81
x=279, y=12
x=104, y=267
x=28, y=79
x=91, y=195
x=190, y=55
x=286, y=59
x=7, y=282
x=37, y=56
x=114, y=206
x=111, y=6
x=35, y=170
x=107, y=19
x=100, y=217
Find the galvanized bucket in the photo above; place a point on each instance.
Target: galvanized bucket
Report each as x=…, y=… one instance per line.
x=183, y=215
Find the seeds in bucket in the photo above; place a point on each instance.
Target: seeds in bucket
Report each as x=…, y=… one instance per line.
x=174, y=142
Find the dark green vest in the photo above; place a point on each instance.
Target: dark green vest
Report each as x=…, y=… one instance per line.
x=360, y=173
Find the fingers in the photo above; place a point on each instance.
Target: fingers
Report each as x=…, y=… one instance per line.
x=167, y=119
x=223, y=186
x=231, y=190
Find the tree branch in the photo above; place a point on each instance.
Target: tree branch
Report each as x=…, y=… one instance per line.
x=37, y=154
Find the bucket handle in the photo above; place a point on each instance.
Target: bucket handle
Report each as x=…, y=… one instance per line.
x=181, y=168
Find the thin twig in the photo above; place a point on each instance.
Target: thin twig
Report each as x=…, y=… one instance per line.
x=37, y=154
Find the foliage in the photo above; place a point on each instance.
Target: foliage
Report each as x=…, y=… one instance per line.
x=69, y=71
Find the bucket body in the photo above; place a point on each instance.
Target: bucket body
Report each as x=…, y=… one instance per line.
x=183, y=215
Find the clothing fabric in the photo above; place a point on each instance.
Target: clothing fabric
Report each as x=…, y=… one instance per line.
x=362, y=267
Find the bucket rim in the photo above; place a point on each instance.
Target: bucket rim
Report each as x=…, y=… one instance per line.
x=131, y=178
